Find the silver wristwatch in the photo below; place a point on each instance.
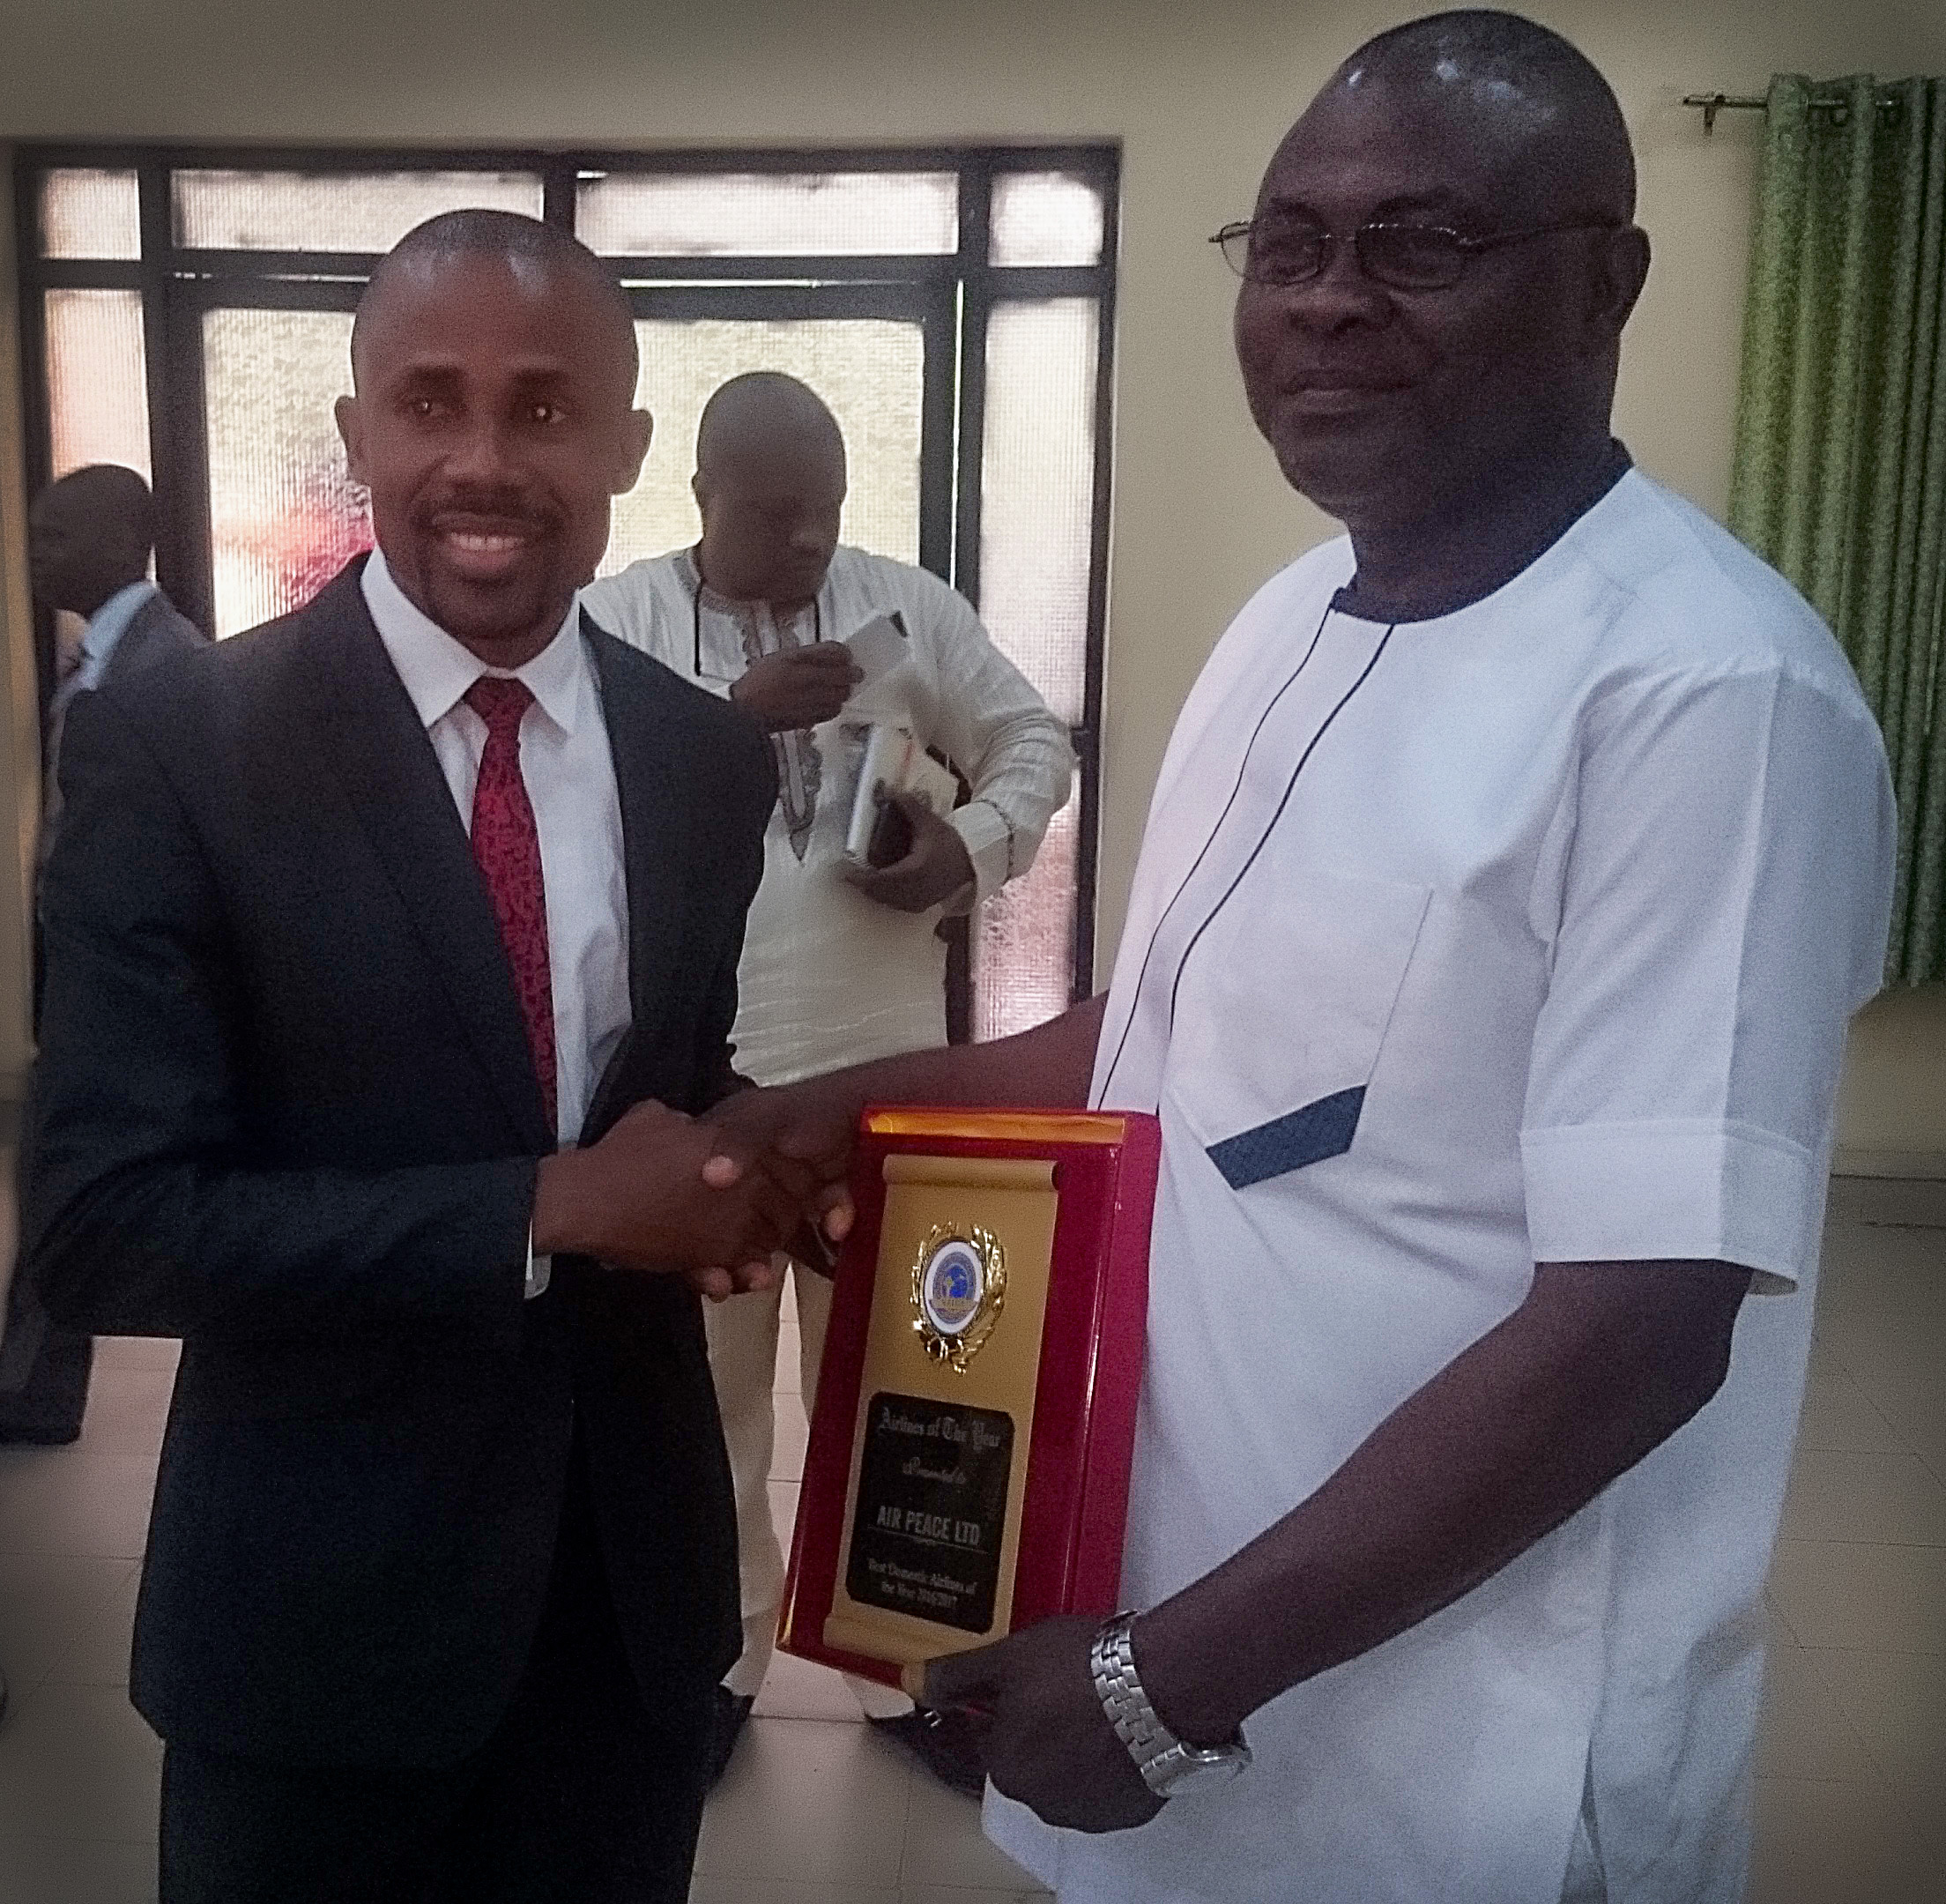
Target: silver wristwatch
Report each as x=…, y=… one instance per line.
x=1166, y=1764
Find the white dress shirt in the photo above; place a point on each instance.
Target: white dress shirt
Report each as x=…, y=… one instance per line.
x=1526, y=933
x=828, y=977
x=570, y=778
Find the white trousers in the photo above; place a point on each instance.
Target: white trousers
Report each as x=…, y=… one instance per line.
x=743, y=1358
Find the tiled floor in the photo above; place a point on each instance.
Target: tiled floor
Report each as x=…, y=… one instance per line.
x=1852, y=1795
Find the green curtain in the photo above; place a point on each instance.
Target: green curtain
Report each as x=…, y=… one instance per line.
x=1839, y=477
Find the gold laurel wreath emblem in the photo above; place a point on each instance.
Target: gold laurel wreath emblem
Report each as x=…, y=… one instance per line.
x=958, y=1349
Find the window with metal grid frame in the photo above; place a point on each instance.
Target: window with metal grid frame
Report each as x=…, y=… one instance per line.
x=187, y=312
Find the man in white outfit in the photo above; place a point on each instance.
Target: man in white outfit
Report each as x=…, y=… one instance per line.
x=1516, y=864
x=841, y=961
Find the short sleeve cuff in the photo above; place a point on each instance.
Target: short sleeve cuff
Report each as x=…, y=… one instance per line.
x=989, y=842
x=1685, y=1190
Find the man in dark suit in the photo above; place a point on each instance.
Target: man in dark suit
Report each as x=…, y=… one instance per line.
x=371, y=936
x=89, y=539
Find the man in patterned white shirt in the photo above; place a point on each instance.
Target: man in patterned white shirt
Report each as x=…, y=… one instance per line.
x=842, y=963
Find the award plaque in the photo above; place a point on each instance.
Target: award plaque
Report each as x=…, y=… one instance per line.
x=968, y=1467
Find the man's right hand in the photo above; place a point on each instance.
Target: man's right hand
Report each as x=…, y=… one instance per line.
x=659, y=1193
x=803, y=1132
x=798, y=686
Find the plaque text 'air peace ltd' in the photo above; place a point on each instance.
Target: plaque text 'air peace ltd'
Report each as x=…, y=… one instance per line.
x=931, y=1506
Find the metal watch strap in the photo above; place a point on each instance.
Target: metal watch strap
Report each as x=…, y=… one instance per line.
x=1162, y=1758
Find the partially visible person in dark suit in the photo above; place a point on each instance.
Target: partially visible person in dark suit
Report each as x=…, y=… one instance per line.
x=371, y=936
x=89, y=539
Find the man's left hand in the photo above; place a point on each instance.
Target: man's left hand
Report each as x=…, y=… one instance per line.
x=1048, y=1743
x=936, y=866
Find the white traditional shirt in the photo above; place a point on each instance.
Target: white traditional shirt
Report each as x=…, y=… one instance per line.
x=1527, y=932
x=829, y=978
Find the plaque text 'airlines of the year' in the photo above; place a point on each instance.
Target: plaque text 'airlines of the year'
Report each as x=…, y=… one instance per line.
x=931, y=1506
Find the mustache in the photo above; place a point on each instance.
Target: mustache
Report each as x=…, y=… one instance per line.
x=489, y=505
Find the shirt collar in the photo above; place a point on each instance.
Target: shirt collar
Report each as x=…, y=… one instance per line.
x=110, y=623
x=1620, y=465
x=688, y=567
x=437, y=670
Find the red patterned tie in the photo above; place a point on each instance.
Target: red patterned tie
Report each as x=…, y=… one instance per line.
x=506, y=845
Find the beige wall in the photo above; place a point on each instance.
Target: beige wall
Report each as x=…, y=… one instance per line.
x=1198, y=94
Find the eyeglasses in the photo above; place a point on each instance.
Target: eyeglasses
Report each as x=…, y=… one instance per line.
x=1408, y=257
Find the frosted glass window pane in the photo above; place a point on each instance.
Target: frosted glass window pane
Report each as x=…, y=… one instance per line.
x=333, y=212
x=90, y=214
x=768, y=214
x=870, y=371
x=98, y=399
x=284, y=516
x=1023, y=941
x=1036, y=492
x=1046, y=218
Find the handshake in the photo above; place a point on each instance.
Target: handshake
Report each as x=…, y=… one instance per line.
x=711, y=1197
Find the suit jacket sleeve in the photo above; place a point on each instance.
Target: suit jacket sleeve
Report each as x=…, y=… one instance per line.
x=158, y=631
x=144, y=1212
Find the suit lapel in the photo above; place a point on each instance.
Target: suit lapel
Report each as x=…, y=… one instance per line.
x=380, y=751
x=654, y=844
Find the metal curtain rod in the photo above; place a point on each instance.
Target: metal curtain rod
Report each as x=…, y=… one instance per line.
x=1710, y=104
x=1713, y=103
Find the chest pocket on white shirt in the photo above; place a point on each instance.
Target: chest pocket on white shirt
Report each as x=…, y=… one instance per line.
x=1280, y=1011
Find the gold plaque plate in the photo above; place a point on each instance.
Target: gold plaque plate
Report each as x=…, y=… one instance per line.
x=939, y=1456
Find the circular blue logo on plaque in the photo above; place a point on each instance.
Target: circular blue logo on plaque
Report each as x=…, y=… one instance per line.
x=953, y=1286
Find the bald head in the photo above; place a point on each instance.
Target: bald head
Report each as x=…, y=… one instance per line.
x=541, y=258
x=1463, y=190
x=769, y=481
x=767, y=418
x=90, y=534
x=1520, y=92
